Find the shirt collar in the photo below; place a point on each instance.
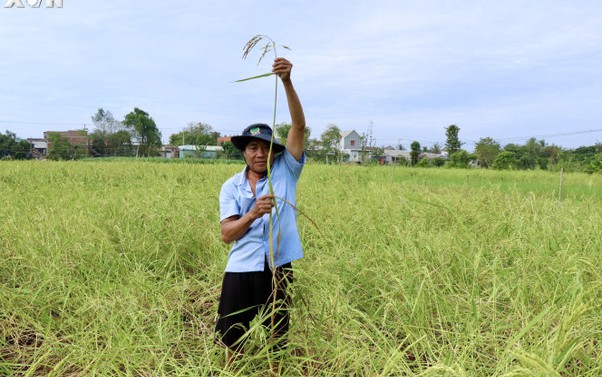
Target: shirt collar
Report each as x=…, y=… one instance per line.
x=242, y=180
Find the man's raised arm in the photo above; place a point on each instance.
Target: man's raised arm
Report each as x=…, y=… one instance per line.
x=296, y=135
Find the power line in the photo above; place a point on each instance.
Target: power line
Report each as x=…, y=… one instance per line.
x=551, y=135
x=503, y=140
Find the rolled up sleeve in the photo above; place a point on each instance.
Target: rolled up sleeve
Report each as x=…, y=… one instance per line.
x=228, y=203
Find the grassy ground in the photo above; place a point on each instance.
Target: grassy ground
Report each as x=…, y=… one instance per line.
x=115, y=268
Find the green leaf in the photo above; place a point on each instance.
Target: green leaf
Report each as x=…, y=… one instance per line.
x=255, y=77
x=527, y=328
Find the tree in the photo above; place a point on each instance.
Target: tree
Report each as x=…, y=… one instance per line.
x=452, y=142
x=11, y=148
x=526, y=162
x=364, y=151
x=109, y=137
x=401, y=161
x=436, y=149
x=59, y=148
x=514, y=148
x=578, y=159
x=113, y=144
x=415, y=152
x=583, y=154
x=534, y=152
x=487, y=150
x=595, y=164
x=437, y=162
x=99, y=143
x=505, y=160
x=551, y=153
x=315, y=150
x=230, y=151
x=105, y=123
x=423, y=163
x=459, y=159
x=331, y=139
x=6, y=141
x=120, y=144
x=145, y=131
x=199, y=134
x=283, y=129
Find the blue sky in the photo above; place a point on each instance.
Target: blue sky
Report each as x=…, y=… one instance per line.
x=408, y=69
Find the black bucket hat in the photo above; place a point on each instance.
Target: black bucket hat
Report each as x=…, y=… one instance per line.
x=258, y=131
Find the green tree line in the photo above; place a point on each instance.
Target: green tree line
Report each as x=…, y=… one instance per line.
x=489, y=154
x=137, y=135
x=12, y=148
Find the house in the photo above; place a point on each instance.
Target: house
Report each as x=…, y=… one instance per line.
x=170, y=151
x=351, y=144
x=394, y=155
x=74, y=137
x=432, y=156
x=208, y=151
x=39, y=147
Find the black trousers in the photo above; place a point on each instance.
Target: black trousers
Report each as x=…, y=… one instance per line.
x=248, y=294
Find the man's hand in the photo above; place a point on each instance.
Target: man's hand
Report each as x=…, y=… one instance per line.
x=296, y=135
x=263, y=205
x=282, y=68
x=234, y=227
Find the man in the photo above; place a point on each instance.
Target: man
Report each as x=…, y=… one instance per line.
x=254, y=273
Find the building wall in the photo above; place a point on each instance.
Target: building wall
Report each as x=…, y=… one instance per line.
x=351, y=141
x=76, y=137
x=354, y=155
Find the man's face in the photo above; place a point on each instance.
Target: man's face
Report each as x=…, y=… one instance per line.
x=256, y=155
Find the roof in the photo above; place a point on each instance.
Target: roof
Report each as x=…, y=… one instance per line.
x=407, y=154
x=42, y=144
x=346, y=133
x=209, y=148
x=397, y=153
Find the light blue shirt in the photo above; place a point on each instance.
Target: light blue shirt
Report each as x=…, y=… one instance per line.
x=236, y=198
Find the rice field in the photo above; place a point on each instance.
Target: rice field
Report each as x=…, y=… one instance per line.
x=114, y=269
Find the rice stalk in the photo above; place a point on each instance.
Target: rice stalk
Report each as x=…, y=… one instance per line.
x=269, y=46
x=131, y=289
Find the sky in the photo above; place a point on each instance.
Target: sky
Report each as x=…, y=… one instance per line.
x=401, y=71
